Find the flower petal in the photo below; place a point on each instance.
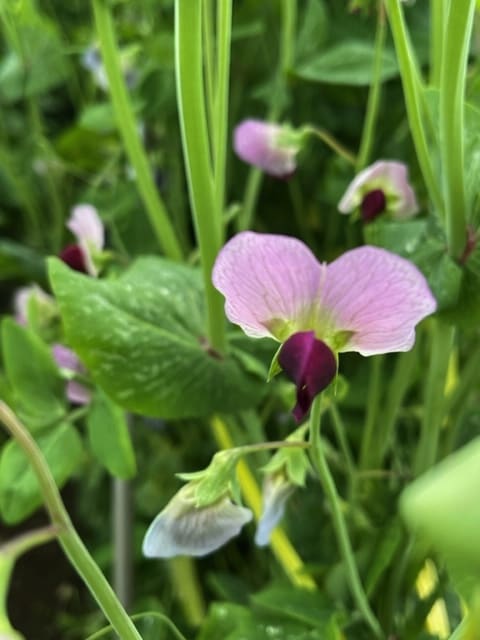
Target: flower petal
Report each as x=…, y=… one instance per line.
x=65, y=358
x=87, y=227
x=260, y=143
x=311, y=364
x=183, y=529
x=379, y=297
x=389, y=176
x=276, y=491
x=267, y=280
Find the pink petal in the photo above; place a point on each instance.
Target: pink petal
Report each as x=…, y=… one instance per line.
x=67, y=359
x=259, y=143
x=87, y=227
x=268, y=281
x=378, y=296
x=392, y=178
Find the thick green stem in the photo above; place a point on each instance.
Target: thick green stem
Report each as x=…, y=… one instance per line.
x=122, y=535
x=224, y=31
x=287, y=43
x=127, y=127
x=412, y=89
x=187, y=589
x=452, y=93
x=67, y=536
x=438, y=14
x=372, y=411
x=321, y=467
x=193, y=124
x=401, y=380
x=373, y=103
x=434, y=404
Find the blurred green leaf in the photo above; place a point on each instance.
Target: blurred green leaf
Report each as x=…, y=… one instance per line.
x=349, y=62
x=37, y=385
x=142, y=338
x=19, y=490
x=109, y=436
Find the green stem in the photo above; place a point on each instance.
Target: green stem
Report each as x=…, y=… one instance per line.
x=452, y=93
x=434, y=404
x=193, y=124
x=186, y=588
x=373, y=103
x=438, y=14
x=209, y=47
x=401, y=380
x=373, y=406
x=340, y=434
x=320, y=464
x=127, y=127
x=67, y=536
x=138, y=616
x=287, y=43
x=254, y=182
x=224, y=32
x=332, y=143
x=122, y=535
x=412, y=88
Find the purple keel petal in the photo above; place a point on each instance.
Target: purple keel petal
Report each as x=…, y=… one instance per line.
x=373, y=204
x=269, y=282
x=310, y=364
x=379, y=297
x=74, y=256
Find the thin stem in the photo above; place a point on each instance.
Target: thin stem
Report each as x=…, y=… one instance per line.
x=209, y=47
x=332, y=143
x=401, y=380
x=122, y=535
x=321, y=467
x=412, y=89
x=127, y=127
x=139, y=616
x=193, y=125
x=224, y=32
x=281, y=546
x=452, y=95
x=434, y=405
x=287, y=42
x=254, y=182
x=373, y=102
x=372, y=410
x=438, y=13
x=67, y=536
x=340, y=434
x=187, y=589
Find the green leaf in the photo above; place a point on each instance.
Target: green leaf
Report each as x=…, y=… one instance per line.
x=383, y=552
x=309, y=607
x=37, y=385
x=109, y=436
x=142, y=337
x=349, y=62
x=19, y=490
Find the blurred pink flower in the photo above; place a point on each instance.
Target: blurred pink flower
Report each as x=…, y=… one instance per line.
x=368, y=300
x=270, y=147
x=381, y=188
x=21, y=301
x=67, y=360
x=88, y=229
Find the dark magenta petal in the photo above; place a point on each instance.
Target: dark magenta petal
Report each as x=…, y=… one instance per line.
x=73, y=256
x=310, y=364
x=373, y=204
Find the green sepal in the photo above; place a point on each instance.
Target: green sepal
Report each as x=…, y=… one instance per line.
x=275, y=367
x=216, y=480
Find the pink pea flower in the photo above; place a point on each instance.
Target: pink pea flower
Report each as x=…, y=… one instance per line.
x=67, y=360
x=270, y=147
x=88, y=229
x=382, y=187
x=368, y=300
x=21, y=301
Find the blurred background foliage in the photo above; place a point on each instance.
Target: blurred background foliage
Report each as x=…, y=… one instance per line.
x=59, y=145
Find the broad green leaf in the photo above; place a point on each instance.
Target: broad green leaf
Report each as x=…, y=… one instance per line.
x=142, y=337
x=222, y=619
x=349, y=62
x=19, y=490
x=109, y=436
x=38, y=388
